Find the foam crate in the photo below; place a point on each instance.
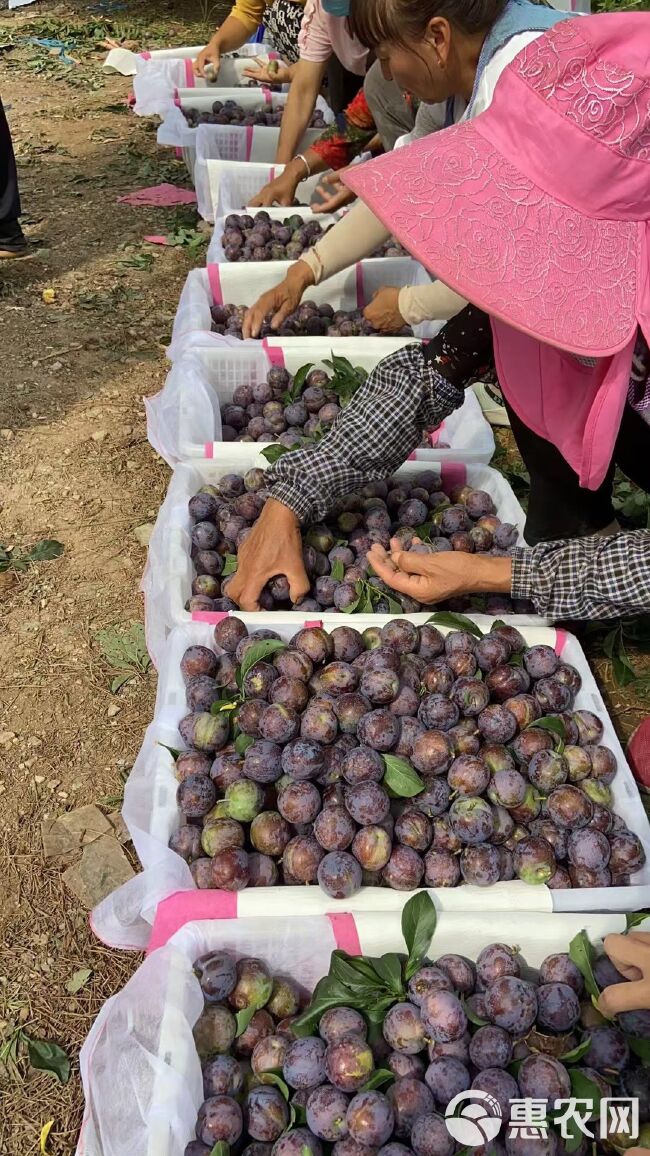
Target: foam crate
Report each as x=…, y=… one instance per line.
x=160, y=74
x=232, y=142
x=235, y=284
x=233, y=184
x=184, y=421
x=169, y=571
x=151, y=813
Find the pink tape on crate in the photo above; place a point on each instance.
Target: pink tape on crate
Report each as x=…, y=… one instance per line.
x=412, y=457
x=268, y=97
x=361, y=292
x=179, y=153
x=345, y=932
x=312, y=623
x=434, y=436
x=561, y=639
x=208, y=450
x=249, y=140
x=177, y=100
x=184, y=907
x=274, y=353
x=145, y=55
x=453, y=474
x=189, y=74
x=214, y=281
x=209, y=616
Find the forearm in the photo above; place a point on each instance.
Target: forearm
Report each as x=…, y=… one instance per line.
x=432, y=302
x=586, y=577
x=373, y=436
x=231, y=35
x=300, y=105
x=354, y=237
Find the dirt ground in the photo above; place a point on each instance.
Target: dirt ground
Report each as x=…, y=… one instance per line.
x=75, y=466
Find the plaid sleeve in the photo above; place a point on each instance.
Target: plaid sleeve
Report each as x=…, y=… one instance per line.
x=586, y=577
x=375, y=434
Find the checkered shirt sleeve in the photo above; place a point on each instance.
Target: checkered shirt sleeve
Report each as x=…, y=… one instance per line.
x=374, y=435
x=586, y=577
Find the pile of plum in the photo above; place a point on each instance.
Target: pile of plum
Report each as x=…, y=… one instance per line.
x=334, y=552
x=259, y=238
x=309, y=320
x=450, y=1025
x=229, y=112
x=397, y=757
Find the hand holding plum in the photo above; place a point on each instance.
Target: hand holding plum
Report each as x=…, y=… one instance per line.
x=383, y=311
x=434, y=577
x=278, y=302
x=268, y=72
x=630, y=955
x=273, y=547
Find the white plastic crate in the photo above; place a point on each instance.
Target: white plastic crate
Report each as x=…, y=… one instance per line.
x=140, y=1070
x=256, y=143
x=167, y=580
x=235, y=284
x=184, y=421
x=216, y=255
x=159, y=74
x=151, y=813
x=233, y=184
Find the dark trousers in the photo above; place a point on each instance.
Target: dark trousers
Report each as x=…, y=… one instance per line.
x=558, y=506
x=10, y=230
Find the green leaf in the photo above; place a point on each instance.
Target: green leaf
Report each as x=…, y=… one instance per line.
x=125, y=648
x=577, y=1053
x=379, y=1077
x=641, y=1048
x=48, y=1057
x=516, y=659
x=360, y=980
x=635, y=919
x=394, y=606
x=554, y=725
x=44, y=551
x=242, y=743
x=389, y=968
x=258, y=652
x=351, y=608
x=583, y=1088
x=78, y=980
x=473, y=1017
x=514, y=1067
x=297, y=1115
x=243, y=1018
x=299, y=379
x=581, y=953
x=224, y=704
x=338, y=570
x=229, y=565
x=376, y=1013
x=275, y=451
x=401, y=777
x=220, y=1149
x=329, y=992
x=172, y=750
x=456, y=622
x=119, y=682
x=276, y=1079
x=418, y=925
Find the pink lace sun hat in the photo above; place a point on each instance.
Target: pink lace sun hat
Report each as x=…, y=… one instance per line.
x=538, y=209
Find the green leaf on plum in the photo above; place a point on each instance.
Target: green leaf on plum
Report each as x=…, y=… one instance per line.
x=361, y=980
x=473, y=1017
x=401, y=777
x=554, y=725
x=635, y=919
x=456, y=622
x=329, y=992
x=297, y=1115
x=242, y=743
x=581, y=953
x=516, y=659
x=275, y=451
x=299, y=379
x=172, y=750
x=641, y=1048
x=275, y=1078
x=338, y=570
x=258, y=652
x=229, y=565
x=418, y=925
x=224, y=704
x=389, y=969
x=583, y=1088
x=221, y=1148
x=378, y=1078
x=243, y=1018
x=394, y=606
x=577, y=1053
x=48, y=1057
x=376, y=1012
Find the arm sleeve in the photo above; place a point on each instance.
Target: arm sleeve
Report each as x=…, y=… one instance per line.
x=249, y=13
x=314, y=41
x=354, y=237
x=433, y=302
x=586, y=577
x=374, y=435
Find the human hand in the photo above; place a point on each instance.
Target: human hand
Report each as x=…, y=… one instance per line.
x=279, y=302
x=273, y=547
x=334, y=195
x=630, y=954
x=280, y=191
x=268, y=72
x=436, y=577
x=211, y=55
x=383, y=311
